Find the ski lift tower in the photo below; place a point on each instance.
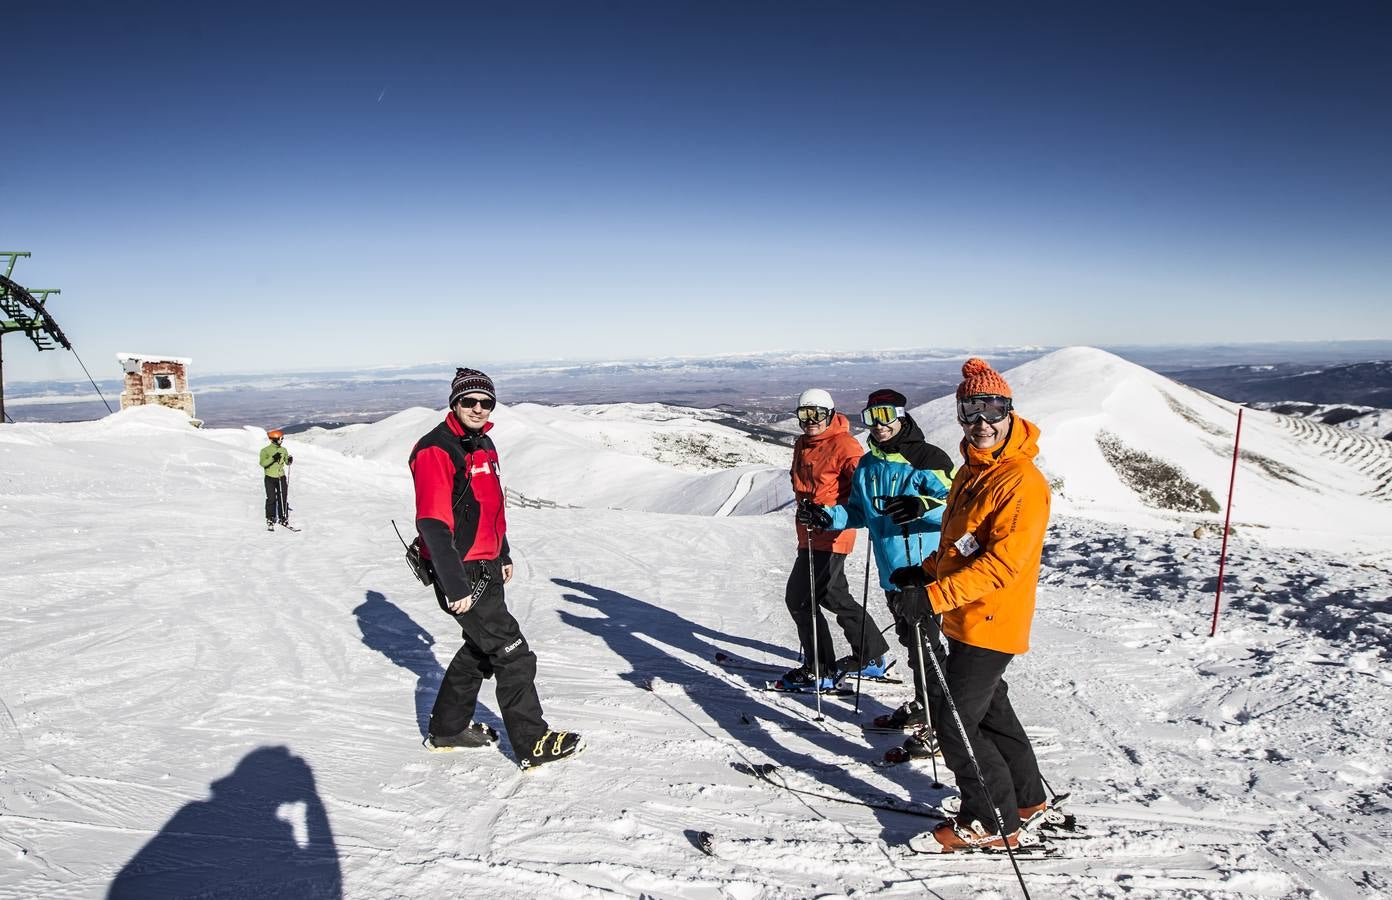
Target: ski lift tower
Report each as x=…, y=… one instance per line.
x=23, y=310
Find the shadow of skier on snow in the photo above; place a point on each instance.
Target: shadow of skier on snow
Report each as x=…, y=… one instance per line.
x=264, y=833
x=392, y=632
x=637, y=631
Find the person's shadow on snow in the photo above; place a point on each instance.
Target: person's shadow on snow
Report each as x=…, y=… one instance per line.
x=392, y=632
x=637, y=631
x=264, y=833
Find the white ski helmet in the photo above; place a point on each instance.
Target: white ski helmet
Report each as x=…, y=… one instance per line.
x=816, y=397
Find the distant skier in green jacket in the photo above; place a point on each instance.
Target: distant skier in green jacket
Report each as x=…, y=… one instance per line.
x=274, y=459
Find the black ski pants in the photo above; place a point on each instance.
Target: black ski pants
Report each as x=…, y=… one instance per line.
x=277, y=499
x=975, y=680
x=932, y=643
x=833, y=595
x=493, y=647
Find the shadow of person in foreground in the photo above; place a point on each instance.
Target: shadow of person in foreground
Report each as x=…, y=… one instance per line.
x=264, y=833
x=637, y=631
x=392, y=632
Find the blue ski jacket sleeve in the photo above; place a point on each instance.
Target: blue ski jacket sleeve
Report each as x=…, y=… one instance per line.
x=881, y=474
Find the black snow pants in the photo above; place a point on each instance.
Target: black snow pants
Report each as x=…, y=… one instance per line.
x=975, y=679
x=493, y=647
x=833, y=595
x=277, y=502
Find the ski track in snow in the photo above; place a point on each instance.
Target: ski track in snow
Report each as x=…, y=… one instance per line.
x=173, y=676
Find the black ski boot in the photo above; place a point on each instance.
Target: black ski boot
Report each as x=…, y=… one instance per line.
x=909, y=715
x=476, y=735
x=551, y=746
x=922, y=744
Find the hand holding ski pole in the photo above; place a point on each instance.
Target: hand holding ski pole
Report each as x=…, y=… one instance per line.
x=812, y=515
x=901, y=510
x=910, y=577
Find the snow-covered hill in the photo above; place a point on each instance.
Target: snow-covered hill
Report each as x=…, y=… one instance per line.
x=1124, y=444
x=648, y=457
x=191, y=706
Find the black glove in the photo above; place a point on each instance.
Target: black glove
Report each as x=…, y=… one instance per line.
x=812, y=515
x=909, y=578
x=275, y=457
x=902, y=510
x=911, y=607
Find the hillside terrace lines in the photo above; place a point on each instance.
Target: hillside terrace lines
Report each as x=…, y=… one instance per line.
x=1369, y=456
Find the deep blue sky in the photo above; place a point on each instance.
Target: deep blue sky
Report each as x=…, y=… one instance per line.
x=307, y=185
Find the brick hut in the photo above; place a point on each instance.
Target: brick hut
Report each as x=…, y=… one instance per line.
x=156, y=380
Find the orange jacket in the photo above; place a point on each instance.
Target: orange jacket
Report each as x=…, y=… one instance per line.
x=822, y=470
x=1001, y=499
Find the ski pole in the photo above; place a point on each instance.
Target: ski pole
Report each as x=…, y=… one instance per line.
x=864, y=606
x=923, y=699
x=976, y=767
x=816, y=653
x=922, y=672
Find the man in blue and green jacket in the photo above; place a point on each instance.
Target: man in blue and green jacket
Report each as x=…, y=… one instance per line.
x=897, y=494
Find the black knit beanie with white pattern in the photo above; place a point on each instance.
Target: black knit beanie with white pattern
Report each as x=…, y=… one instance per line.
x=470, y=381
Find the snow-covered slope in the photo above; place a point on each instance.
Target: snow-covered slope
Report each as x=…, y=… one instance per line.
x=648, y=457
x=1125, y=444
x=191, y=706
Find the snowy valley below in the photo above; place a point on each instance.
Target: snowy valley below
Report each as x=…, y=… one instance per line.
x=194, y=707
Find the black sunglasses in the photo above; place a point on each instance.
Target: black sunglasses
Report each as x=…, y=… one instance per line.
x=471, y=402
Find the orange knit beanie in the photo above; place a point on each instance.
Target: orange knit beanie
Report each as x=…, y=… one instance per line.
x=979, y=378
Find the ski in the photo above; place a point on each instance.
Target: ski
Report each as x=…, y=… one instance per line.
x=1041, y=850
x=290, y=527
x=1053, y=825
x=730, y=662
x=779, y=687
x=769, y=774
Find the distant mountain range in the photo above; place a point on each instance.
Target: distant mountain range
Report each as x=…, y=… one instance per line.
x=1359, y=384
x=756, y=388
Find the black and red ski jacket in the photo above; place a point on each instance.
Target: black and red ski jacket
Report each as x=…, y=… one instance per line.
x=459, y=502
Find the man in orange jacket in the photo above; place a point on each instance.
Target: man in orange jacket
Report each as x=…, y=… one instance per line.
x=982, y=581
x=824, y=460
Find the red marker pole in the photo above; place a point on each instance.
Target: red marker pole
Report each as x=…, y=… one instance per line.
x=1223, y=554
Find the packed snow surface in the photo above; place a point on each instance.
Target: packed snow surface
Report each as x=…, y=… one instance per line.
x=191, y=706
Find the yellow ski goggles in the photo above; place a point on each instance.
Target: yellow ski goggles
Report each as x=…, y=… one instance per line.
x=881, y=415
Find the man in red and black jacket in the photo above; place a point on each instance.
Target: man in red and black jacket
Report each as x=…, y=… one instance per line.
x=462, y=523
